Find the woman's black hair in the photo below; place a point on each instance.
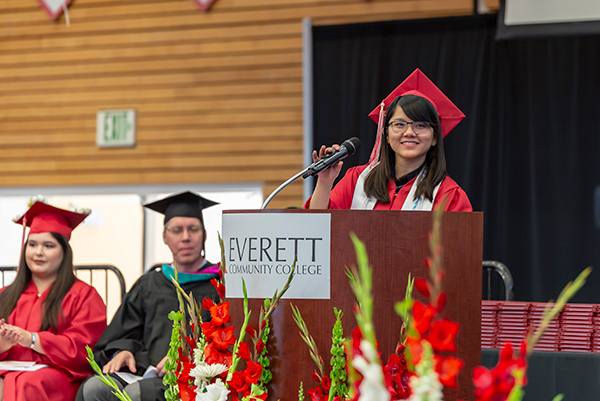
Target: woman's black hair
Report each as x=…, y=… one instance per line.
x=51, y=308
x=416, y=108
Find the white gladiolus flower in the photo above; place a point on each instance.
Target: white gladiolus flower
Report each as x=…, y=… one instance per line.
x=214, y=392
x=372, y=387
x=199, y=357
x=426, y=387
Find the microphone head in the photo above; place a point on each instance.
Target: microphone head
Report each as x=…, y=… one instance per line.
x=351, y=144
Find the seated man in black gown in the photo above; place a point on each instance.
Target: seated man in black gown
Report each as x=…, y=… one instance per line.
x=140, y=331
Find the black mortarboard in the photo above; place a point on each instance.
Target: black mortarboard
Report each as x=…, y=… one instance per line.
x=184, y=204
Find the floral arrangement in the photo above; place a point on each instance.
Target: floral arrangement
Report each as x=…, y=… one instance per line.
x=210, y=363
x=423, y=363
x=206, y=365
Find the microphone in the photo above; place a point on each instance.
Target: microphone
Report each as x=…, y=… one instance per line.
x=348, y=147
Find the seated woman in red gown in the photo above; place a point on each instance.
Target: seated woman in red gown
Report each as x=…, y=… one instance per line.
x=47, y=315
x=407, y=167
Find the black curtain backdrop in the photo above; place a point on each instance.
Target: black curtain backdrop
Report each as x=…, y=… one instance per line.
x=528, y=153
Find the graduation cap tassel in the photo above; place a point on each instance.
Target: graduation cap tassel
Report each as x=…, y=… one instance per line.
x=375, y=152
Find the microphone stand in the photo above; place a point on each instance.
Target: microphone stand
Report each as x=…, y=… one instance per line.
x=279, y=188
x=324, y=163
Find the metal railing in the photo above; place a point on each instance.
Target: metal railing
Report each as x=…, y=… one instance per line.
x=90, y=269
x=501, y=269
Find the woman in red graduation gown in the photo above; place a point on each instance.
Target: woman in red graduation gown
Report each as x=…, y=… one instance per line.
x=47, y=315
x=407, y=168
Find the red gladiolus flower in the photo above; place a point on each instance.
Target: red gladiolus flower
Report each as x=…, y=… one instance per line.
x=208, y=329
x=400, y=349
x=221, y=269
x=492, y=385
x=356, y=340
x=214, y=355
x=238, y=383
x=440, y=303
x=316, y=394
x=507, y=362
x=326, y=383
x=244, y=351
x=422, y=286
x=191, y=342
x=186, y=366
x=186, y=392
x=396, y=377
x=260, y=346
x=250, y=331
x=220, y=314
x=422, y=316
x=315, y=376
x=448, y=369
x=415, y=349
x=222, y=338
x=219, y=287
x=496, y=384
x=252, y=372
x=208, y=303
x=523, y=348
x=442, y=335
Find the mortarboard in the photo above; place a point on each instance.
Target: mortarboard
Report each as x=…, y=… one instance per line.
x=43, y=218
x=184, y=204
x=417, y=84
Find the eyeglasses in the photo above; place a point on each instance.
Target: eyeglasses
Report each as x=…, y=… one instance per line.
x=418, y=127
x=178, y=230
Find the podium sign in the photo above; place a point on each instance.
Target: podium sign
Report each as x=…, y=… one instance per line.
x=260, y=248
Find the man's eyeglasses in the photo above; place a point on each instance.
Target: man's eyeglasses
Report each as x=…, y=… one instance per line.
x=178, y=230
x=418, y=127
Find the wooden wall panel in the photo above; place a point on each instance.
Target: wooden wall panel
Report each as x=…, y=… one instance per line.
x=218, y=94
x=492, y=5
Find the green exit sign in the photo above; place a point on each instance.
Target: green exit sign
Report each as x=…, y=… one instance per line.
x=115, y=128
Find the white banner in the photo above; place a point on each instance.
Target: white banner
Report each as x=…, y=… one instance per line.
x=260, y=247
x=519, y=12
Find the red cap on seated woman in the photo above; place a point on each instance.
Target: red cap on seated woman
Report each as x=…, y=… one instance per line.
x=43, y=218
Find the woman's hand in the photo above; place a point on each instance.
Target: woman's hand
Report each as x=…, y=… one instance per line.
x=8, y=335
x=320, y=197
x=14, y=335
x=329, y=175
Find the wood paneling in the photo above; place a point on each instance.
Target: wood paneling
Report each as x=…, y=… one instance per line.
x=492, y=5
x=218, y=94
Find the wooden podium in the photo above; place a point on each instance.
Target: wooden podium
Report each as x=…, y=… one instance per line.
x=397, y=244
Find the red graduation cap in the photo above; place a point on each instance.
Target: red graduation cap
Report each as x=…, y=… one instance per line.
x=43, y=218
x=418, y=84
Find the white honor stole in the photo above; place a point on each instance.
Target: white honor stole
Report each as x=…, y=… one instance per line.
x=360, y=200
